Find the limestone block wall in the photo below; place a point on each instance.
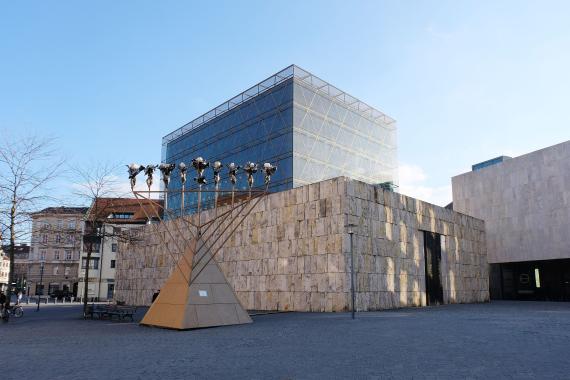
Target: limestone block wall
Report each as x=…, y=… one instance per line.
x=292, y=252
x=389, y=249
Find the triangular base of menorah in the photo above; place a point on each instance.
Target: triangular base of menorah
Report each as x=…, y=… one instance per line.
x=208, y=302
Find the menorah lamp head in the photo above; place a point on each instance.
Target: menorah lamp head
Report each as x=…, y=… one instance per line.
x=182, y=168
x=217, y=168
x=134, y=170
x=166, y=170
x=250, y=168
x=200, y=164
x=149, y=172
x=201, y=180
x=232, y=172
x=268, y=171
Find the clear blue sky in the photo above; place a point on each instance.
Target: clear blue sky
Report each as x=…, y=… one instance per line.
x=467, y=81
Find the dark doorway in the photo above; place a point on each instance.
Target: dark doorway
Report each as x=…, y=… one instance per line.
x=110, y=291
x=545, y=280
x=432, y=251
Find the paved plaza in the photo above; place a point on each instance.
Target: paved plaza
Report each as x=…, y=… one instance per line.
x=507, y=340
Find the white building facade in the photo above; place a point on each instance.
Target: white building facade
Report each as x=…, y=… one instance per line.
x=114, y=216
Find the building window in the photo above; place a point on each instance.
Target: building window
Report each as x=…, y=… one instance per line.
x=114, y=247
x=93, y=264
x=53, y=288
x=121, y=215
x=58, y=238
x=68, y=254
x=56, y=255
x=94, y=247
x=71, y=225
x=112, y=264
x=43, y=254
x=44, y=239
x=69, y=239
x=59, y=224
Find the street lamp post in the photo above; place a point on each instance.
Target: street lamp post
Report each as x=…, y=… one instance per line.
x=41, y=284
x=352, y=274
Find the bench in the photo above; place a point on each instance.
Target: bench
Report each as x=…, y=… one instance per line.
x=109, y=311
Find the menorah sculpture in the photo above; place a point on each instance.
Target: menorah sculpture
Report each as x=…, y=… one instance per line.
x=197, y=294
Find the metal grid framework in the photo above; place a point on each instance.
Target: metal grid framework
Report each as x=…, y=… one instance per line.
x=310, y=129
x=330, y=140
x=291, y=71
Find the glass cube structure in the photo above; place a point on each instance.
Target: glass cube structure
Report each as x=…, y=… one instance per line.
x=310, y=129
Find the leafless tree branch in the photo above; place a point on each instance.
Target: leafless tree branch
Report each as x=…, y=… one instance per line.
x=27, y=166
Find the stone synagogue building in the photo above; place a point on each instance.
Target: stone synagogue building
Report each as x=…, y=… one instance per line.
x=292, y=252
x=337, y=166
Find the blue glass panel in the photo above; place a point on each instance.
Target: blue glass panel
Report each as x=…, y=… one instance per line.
x=259, y=130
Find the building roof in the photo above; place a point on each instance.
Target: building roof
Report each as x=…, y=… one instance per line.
x=62, y=210
x=492, y=161
x=126, y=210
x=292, y=71
x=20, y=250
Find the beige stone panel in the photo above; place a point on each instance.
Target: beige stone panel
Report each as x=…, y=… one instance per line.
x=285, y=301
x=301, y=301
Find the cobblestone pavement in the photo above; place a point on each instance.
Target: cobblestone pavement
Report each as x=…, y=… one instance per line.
x=501, y=340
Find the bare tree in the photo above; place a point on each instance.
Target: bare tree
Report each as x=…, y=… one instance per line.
x=27, y=165
x=92, y=185
x=98, y=186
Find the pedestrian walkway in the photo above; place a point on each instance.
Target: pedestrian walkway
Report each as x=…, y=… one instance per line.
x=511, y=340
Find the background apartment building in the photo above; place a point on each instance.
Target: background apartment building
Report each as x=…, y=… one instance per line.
x=4, y=270
x=21, y=263
x=54, y=255
x=112, y=216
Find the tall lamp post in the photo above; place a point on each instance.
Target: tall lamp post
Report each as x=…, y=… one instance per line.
x=41, y=284
x=350, y=228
